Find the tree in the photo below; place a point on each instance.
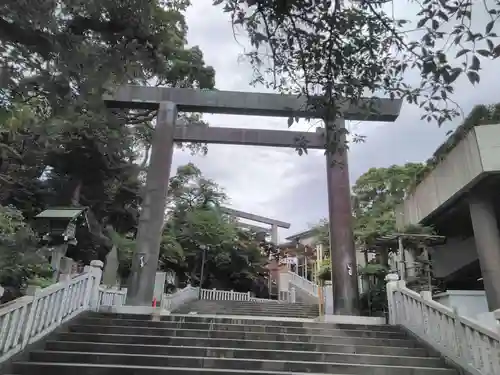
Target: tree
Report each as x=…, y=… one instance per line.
x=59, y=144
x=22, y=150
x=65, y=50
x=342, y=50
x=20, y=259
x=235, y=259
x=376, y=194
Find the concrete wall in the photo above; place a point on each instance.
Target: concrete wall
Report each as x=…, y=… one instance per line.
x=488, y=140
x=469, y=303
x=460, y=166
x=479, y=152
x=453, y=255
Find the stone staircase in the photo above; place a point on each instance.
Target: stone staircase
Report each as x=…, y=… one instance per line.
x=113, y=344
x=250, y=308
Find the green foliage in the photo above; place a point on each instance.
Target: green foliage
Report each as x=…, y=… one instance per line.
x=324, y=272
x=374, y=301
x=59, y=145
x=234, y=260
x=321, y=232
x=376, y=194
x=340, y=50
x=66, y=50
x=20, y=260
x=125, y=248
x=374, y=269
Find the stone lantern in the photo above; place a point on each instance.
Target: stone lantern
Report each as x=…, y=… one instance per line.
x=59, y=228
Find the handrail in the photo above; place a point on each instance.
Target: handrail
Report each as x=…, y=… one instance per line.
x=224, y=295
x=32, y=317
x=304, y=284
x=171, y=302
x=112, y=296
x=462, y=340
x=230, y=295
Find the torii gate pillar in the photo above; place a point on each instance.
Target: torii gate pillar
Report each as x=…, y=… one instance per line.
x=274, y=234
x=342, y=250
x=145, y=262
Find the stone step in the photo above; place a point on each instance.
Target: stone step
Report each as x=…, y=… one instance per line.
x=277, y=314
x=332, y=331
x=247, y=312
x=398, y=357
x=265, y=366
x=244, y=321
x=342, y=337
x=249, y=308
x=246, y=309
x=251, y=303
x=288, y=307
x=262, y=306
x=237, y=342
x=40, y=368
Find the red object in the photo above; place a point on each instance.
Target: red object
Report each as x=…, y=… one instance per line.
x=154, y=302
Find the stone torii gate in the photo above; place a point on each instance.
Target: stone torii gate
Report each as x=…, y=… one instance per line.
x=275, y=224
x=255, y=228
x=170, y=100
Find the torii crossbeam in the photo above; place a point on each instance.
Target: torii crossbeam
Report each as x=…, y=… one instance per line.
x=275, y=224
x=170, y=100
x=254, y=228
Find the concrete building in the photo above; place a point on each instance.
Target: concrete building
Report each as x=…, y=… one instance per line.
x=460, y=199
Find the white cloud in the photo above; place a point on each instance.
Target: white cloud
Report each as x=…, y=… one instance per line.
x=277, y=182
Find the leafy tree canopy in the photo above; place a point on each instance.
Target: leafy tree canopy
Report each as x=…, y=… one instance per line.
x=59, y=145
x=375, y=196
x=20, y=259
x=344, y=50
x=235, y=258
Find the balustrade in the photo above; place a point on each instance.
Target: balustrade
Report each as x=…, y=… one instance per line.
x=464, y=341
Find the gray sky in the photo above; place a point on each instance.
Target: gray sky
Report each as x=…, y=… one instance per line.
x=277, y=182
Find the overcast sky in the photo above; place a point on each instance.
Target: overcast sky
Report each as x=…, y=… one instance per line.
x=278, y=183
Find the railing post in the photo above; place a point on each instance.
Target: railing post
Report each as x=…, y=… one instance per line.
x=95, y=274
x=427, y=295
x=292, y=295
x=497, y=317
x=62, y=302
x=249, y=296
x=391, y=287
x=31, y=315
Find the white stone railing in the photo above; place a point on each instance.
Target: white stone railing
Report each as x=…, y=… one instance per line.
x=31, y=317
x=112, y=296
x=464, y=341
x=284, y=295
x=171, y=302
x=303, y=284
x=224, y=295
